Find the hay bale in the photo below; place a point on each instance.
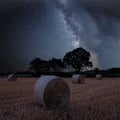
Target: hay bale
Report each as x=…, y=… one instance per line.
x=98, y=76
x=77, y=78
x=51, y=92
x=12, y=77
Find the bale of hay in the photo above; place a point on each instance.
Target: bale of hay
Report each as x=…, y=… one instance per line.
x=51, y=92
x=77, y=78
x=12, y=77
x=98, y=76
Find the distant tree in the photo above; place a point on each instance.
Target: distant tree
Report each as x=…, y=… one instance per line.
x=114, y=70
x=97, y=71
x=56, y=64
x=39, y=66
x=78, y=58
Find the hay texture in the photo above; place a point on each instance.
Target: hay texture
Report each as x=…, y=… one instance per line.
x=77, y=78
x=12, y=77
x=51, y=92
x=98, y=76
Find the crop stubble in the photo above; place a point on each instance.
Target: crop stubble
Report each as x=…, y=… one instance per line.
x=94, y=100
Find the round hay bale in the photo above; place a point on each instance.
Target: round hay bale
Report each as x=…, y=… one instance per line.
x=98, y=76
x=12, y=77
x=77, y=78
x=51, y=92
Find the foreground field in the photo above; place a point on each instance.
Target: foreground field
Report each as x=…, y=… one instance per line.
x=94, y=100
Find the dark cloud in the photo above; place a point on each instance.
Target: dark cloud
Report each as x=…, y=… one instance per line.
x=29, y=30
x=46, y=29
x=16, y=20
x=96, y=27
x=107, y=7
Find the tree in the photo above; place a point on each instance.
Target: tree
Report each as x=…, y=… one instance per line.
x=39, y=66
x=97, y=71
x=56, y=64
x=113, y=70
x=78, y=59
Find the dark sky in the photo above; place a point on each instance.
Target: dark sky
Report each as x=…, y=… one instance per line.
x=50, y=28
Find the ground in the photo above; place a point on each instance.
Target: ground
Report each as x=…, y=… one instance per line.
x=94, y=100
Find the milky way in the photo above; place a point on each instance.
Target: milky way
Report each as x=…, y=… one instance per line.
x=50, y=28
x=95, y=31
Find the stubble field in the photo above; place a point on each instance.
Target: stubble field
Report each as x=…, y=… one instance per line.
x=94, y=100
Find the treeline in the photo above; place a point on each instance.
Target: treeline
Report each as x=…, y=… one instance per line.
x=112, y=72
x=39, y=66
x=76, y=60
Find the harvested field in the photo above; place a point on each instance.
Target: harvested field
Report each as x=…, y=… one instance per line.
x=94, y=100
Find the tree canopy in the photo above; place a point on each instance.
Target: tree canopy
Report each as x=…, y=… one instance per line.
x=79, y=59
x=38, y=66
x=42, y=66
x=56, y=64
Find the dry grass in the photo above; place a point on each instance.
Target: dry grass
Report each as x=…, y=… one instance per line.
x=94, y=100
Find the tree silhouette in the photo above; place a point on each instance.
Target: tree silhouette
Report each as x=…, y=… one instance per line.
x=113, y=70
x=97, y=71
x=56, y=64
x=78, y=59
x=39, y=66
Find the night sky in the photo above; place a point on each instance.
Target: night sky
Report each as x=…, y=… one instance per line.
x=50, y=28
